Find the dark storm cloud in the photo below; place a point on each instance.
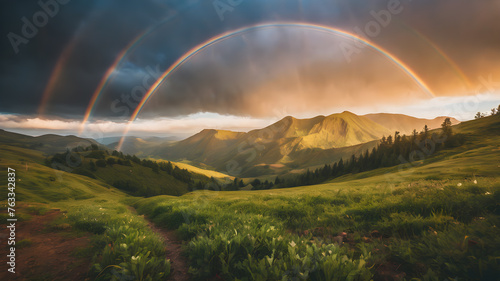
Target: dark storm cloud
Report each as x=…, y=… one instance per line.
x=467, y=31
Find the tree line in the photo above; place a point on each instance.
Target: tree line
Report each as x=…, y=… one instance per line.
x=97, y=158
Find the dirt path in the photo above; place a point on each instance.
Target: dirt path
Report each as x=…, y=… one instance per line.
x=47, y=254
x=180, y=265
x=173, y=247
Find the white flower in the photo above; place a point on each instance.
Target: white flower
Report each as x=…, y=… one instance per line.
x=459, y=184
x=292, y=244
x=475, y=181
x=487, y=193
x=123, y=246
x=134, y=258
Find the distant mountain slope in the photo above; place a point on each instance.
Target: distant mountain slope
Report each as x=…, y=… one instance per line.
x=47, y=143
x=282, y=143
x=288, y=144
x=405, y=124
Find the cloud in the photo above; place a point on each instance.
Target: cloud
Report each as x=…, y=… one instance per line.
x=458, y=107
x=449, y=44
x=161, y=126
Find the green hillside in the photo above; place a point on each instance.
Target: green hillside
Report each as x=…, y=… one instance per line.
x=48, y=144
x=432, y=219
x=84, y=219
x=125, y=172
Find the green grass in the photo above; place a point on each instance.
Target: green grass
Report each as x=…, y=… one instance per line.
x=122, y=244
x=436, y=220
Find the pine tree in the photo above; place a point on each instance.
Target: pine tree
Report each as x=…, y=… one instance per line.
x=446, y=127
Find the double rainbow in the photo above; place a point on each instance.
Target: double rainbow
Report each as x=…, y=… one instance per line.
x=227, y=35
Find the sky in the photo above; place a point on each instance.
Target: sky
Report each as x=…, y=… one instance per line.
x=85, y=67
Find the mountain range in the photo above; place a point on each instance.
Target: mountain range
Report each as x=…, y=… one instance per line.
x=286, y=145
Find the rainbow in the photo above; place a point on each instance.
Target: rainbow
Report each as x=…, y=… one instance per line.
x=54, y=77
x=106, y=78
x=214, y=40
x=458, y=71
x=104, y=82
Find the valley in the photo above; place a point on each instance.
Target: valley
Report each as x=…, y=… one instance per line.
x=431, y=218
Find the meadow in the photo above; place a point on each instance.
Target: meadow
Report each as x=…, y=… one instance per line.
x=122, y=246
x=432, y=219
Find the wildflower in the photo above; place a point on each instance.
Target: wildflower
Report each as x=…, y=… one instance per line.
x=330, y=252
x=292, y=244
x=487, y=193
x=459, y=184
x=475, y=181
x=134, y=258
x=323, y=253
x=123, y=245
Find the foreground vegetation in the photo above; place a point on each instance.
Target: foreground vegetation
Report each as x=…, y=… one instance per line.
x=434, y=219
x=432, y=230
x=122, y=245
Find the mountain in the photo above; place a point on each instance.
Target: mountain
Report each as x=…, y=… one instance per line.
x=405, y=124
x=136, y=145
x=284, y=145
x=114, y=140
x=46, y=143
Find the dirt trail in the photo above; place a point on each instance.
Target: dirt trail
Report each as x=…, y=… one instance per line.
x=173, y=247
x=50, y=254
x=180, y=266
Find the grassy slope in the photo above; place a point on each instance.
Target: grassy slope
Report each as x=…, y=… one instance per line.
x=92, y=208
x=196, y=170
x=435, y=220
x=49, y=144
x=45, y=185
x=140, y=175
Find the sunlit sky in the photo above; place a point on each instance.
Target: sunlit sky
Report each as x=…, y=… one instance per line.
x=243, y=67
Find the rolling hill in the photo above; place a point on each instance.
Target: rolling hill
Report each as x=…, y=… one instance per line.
x=48, y=144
